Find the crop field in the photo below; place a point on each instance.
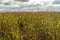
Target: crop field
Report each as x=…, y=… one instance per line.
x=30, y=26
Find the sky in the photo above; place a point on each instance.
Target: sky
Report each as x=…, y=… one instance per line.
x=29, y=5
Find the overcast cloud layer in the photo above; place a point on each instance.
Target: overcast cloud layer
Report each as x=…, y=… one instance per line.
x=29, y=5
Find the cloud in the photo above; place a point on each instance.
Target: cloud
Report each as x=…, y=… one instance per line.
x=7, y=3
x=22, y=0
x=56, y=2
x=15, y=5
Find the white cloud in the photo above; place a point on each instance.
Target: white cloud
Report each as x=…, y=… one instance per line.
x=28, y=5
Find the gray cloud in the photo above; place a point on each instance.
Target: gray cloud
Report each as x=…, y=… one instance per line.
x=56, y=2
x=22, y=0
x=7, y=3
x=0, y=1
x=29, y=7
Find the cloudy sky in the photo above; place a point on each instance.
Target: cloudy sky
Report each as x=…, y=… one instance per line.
x=29, y=5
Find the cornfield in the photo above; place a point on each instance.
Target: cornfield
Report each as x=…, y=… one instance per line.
x=30, y=26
